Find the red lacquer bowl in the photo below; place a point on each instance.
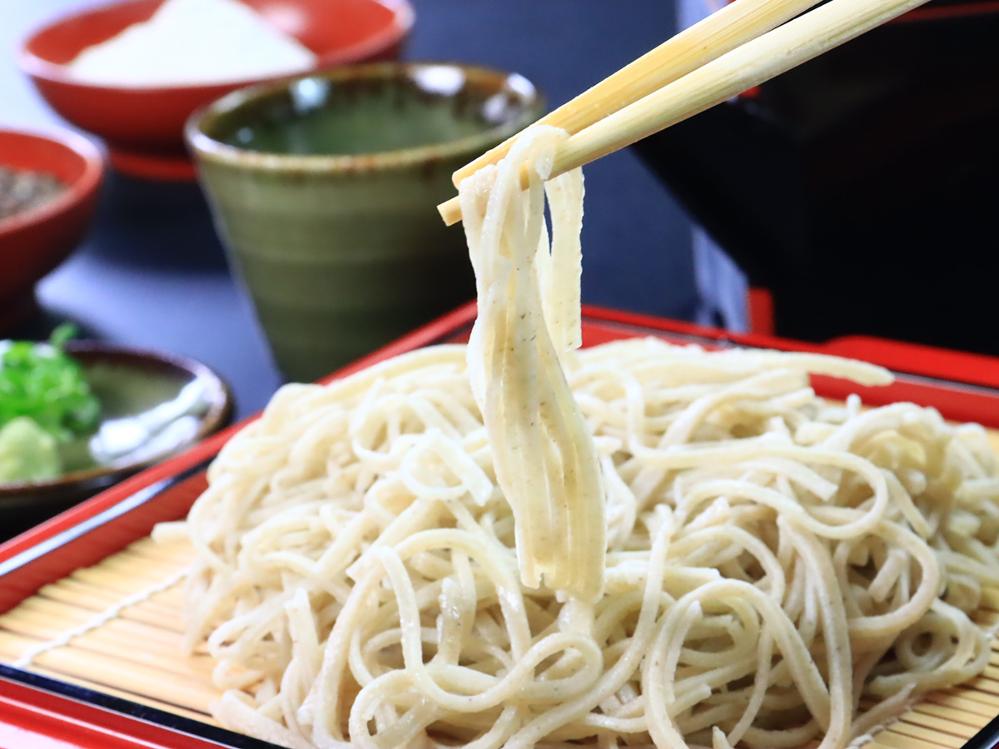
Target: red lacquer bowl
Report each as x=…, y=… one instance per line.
x=34, y=242
x=144, y=127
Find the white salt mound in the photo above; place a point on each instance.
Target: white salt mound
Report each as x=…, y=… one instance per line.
x=192, y=42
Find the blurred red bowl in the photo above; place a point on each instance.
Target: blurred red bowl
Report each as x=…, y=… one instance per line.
x=34, y=242
x=144, y=127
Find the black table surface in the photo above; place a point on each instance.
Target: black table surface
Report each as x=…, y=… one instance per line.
x=153, y=274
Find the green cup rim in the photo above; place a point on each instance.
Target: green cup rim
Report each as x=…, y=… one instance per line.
x=206, y=147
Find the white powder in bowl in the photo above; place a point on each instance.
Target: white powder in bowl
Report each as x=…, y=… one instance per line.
x=193, y=42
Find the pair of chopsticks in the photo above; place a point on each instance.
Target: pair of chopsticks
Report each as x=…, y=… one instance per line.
x=740, y=46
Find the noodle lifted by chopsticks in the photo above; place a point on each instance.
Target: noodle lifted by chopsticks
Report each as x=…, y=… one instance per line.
x=543, y=454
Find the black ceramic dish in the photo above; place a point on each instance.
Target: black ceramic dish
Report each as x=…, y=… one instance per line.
x=152, y=405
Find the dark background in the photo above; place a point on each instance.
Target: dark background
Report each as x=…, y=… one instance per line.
x=145, y=278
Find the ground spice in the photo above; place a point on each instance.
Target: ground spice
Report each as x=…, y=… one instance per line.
x=22, y=190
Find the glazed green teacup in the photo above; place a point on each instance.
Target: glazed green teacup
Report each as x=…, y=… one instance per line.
x=325, y=188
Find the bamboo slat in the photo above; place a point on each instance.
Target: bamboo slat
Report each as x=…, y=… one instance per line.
x=137, y=653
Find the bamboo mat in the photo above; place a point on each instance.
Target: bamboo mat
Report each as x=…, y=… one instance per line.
x=134, y=651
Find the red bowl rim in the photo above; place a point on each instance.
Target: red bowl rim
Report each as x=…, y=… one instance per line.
x=75, y=192
x=403, y=17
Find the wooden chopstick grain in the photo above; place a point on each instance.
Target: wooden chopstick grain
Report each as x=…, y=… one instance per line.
x=730, y=26
x=748, y=65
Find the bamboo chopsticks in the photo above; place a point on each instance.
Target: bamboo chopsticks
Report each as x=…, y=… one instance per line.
x=732, y=50
x=713, y=36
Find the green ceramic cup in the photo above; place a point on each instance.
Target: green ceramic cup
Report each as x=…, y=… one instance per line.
x=325, y=188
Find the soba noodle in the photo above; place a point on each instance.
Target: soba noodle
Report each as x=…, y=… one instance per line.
x=543, y=454
x=376, y=566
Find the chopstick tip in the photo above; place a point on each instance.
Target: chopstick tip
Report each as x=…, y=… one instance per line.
x=450, y=211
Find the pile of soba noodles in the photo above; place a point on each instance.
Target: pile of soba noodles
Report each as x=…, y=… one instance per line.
x=515, y=544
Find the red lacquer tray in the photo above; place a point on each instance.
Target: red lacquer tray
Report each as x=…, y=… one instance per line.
x=39, y=712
